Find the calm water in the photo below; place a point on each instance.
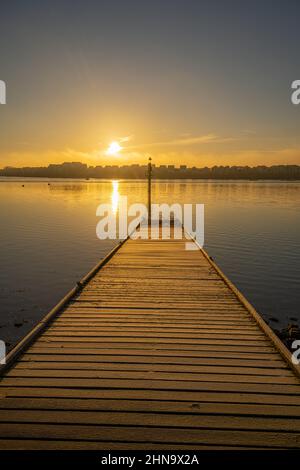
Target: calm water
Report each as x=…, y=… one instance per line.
x=48, y=240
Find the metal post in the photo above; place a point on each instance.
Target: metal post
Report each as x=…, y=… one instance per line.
x=149, y=188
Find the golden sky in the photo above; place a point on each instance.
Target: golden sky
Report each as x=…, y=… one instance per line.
x=200, y=151
x=184, y=81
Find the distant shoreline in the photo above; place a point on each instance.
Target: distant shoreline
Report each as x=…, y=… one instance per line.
x=4, y=179
x=78, y=170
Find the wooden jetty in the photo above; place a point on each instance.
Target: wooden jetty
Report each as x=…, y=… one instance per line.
x=154, y=349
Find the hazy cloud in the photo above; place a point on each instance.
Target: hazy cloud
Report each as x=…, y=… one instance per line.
x=185, y=139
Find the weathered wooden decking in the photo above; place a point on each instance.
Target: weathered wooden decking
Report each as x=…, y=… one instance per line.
x=157, y=351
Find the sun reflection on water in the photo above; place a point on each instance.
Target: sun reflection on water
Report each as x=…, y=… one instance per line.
x=115, y=196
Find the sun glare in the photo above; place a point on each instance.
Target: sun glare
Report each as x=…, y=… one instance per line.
x=114, y=148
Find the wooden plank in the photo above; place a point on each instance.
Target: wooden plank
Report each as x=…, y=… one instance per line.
x=152, y=357
x=75, y=311
x=155, y=406
x=193, y=397
x=158, y=420
x=159, y=332
x=250, y=330
x=114, y=320
x=41, y=444
x=162, y=273
x=152, y=384
x=179, y=436
x=144, y=343
x=138, y=303
x=151, y=367
x=154, y=375
x=145, y=334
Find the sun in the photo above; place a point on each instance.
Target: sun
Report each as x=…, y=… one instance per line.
x=114, y=148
